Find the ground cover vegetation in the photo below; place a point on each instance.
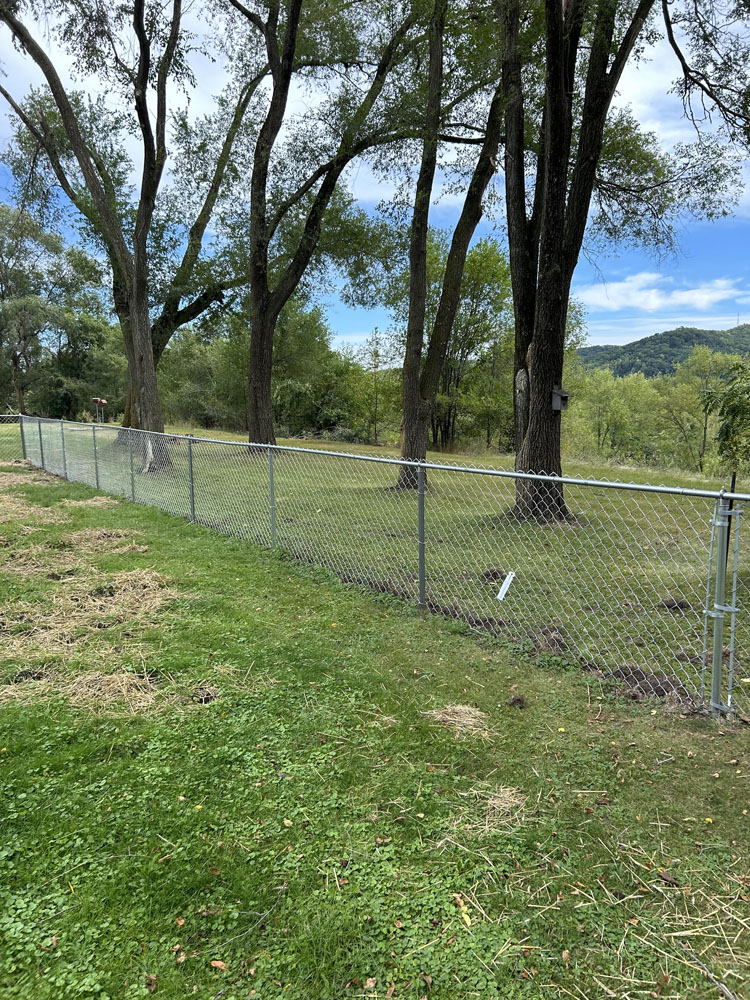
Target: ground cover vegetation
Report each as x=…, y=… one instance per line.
x=261, y=782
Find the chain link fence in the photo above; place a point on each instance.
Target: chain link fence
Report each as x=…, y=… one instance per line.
x=625, y=589
x=10, y=437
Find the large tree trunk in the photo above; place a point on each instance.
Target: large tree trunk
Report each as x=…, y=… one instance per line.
x=127, y=416
x=260, y=405
x=544, y=247
x=416, y=410
x=146, y=403
x=20, y=398
x=122, y=308
x=413, y=438
x=540, y=449
x=539, y=349
x=142, y=403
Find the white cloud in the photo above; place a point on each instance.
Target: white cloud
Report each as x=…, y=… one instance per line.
x=645, y=87
x=647, y=291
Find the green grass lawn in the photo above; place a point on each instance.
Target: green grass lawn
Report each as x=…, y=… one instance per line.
x=219, y=781
x=621, y=590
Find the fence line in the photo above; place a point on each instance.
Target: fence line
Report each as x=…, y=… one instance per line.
x=625, y=589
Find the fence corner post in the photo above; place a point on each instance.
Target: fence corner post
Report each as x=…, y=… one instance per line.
x=717, y=660
x=62, y=442
x=272, y=497
x=190, y=475
x=23, y=436
x=420, y=521
x=96, y=460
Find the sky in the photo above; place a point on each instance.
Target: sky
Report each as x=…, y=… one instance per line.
x=626, y=295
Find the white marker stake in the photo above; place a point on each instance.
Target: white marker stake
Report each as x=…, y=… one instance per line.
x=506, y=585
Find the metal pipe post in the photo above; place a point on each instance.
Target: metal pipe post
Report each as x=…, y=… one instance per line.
x=41, y=443
x=23, y=435
x=420, y=520
x=132, y=468
x=62, y=442
x=717, y=662
x=733, y=627
x=190, y=473
x=96, y=460
x=272, y=492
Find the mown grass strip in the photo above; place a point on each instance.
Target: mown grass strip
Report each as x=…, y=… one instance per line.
x=290, y=821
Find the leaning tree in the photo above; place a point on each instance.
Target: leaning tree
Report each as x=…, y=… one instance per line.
x=151, y=219
x=299, y=158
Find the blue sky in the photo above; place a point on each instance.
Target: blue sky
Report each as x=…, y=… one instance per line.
x=627, y=295
x=630, y=294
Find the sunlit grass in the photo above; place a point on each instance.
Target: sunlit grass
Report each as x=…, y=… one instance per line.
x=621, y=590
x=267, y=786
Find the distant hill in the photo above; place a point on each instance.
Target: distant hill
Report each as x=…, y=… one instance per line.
x=658, y=354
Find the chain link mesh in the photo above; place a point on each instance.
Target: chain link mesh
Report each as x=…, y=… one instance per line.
x=11, y=447
x=618, y=589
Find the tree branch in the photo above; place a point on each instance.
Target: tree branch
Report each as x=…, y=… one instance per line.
x=346, y=152
x=735, y=114
x=111, y=229
x=170, y=309
x=251, y=16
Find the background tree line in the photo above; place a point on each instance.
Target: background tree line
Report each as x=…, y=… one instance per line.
x=59, y=348
x=204, y=223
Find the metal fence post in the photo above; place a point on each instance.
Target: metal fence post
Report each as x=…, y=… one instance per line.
x=96, y=460
x=735, y=569
x=41, y=443
x=190, y=474
x=420, y=518
x=132, y=469
x=23, y=435
x=272, y=492
x=717, y=662
x=62, y=442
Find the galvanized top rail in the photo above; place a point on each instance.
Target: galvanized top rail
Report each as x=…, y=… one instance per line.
x=441, y=467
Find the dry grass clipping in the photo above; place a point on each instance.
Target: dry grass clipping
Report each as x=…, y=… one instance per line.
x=96, y=539
x=37, y=559
x=502, y=809
x=14, y=507
x=92, y=690
x=464, y=720
x=99, y=501
x=78, y=612
x=10, y=479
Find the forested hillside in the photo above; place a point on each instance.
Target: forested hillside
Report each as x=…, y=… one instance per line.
x=662, y=352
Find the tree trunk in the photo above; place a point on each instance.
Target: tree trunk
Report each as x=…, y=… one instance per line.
x=260, y=405
x=416, y=410
x=540, y=450
x=122, y=308
x=20, y=400
x=127, y=416
x=413, y=440
x=143, y=394
x=146, y=403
